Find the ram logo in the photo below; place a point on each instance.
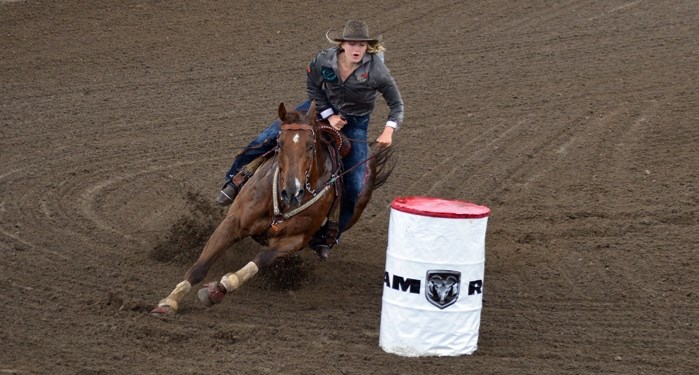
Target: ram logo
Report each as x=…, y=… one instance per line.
x=442, y=287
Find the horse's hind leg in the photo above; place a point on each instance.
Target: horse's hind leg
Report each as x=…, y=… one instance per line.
x=225, y=235
x=213, y=292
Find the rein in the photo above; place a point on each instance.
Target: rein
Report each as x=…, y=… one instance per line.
x=334, y=177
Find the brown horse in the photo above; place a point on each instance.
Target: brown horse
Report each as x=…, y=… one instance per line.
x=282, y=205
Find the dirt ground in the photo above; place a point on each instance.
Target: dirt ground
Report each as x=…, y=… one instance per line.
x=575, y=122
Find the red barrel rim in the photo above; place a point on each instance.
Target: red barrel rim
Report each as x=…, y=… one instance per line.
x=439, y=207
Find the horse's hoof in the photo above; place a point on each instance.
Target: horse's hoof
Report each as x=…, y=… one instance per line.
x=162, y=311
x=212, y=294
x=322, y=251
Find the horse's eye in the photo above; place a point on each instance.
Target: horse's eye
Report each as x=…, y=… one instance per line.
x=311, y=146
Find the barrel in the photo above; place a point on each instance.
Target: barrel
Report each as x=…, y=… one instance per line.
x=433, y=280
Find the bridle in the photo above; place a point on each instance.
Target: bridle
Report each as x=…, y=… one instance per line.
x=306, y=173
x=278, y=215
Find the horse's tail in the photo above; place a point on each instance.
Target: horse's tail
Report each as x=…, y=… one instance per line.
x=385, y=159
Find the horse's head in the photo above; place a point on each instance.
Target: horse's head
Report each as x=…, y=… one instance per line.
x=296, y=153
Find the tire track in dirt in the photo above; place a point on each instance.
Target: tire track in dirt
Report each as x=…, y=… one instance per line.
x=607, y=140
x=613, y=319
x=554, y=162
x=492, y=51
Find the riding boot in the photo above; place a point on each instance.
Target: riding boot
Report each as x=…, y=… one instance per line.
x=231, y=188
x=324, y=239
x=227, y=194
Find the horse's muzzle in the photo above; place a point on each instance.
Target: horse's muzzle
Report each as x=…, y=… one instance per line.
x=292, y=198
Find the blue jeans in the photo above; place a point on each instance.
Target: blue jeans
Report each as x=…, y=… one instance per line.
x=265, y=142
x=354, y=181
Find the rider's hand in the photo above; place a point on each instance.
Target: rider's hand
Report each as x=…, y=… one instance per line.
x=386, y=137
x=337, y=122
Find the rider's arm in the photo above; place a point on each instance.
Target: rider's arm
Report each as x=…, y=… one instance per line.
x=314, y=86
x=386, y=85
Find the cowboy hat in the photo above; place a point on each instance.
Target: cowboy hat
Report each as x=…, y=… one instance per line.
x=354, y=31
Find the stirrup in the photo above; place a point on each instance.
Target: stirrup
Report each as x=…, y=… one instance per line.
x=324, y=239
x=332, y=233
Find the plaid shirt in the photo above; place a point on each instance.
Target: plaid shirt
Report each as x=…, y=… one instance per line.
x=356, y=96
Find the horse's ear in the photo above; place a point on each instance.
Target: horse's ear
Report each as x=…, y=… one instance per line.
x=312, y=113
x=282, y=111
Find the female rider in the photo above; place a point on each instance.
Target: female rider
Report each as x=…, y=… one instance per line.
x=344, y=81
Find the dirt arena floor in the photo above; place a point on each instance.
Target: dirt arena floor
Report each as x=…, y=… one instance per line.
x=575, y=122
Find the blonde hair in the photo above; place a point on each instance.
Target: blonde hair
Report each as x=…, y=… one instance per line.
x=371, y=47
x=375, y=47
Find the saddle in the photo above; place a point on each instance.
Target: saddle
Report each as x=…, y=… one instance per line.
x=335, y=138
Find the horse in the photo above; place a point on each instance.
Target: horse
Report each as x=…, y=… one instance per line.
x=283, y=204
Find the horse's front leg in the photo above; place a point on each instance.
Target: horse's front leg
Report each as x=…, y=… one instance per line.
x=214, y=292
x=224, y=236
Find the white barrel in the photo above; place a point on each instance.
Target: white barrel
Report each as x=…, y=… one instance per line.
x=433, y=283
